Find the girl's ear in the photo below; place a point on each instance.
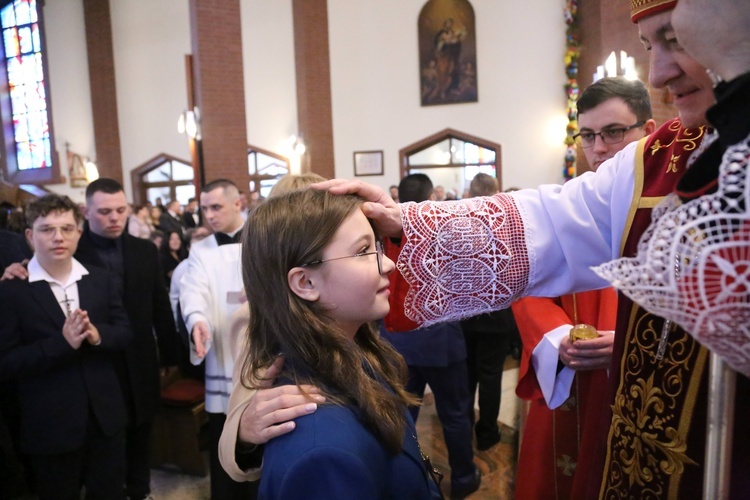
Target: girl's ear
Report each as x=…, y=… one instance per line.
x=300, y=282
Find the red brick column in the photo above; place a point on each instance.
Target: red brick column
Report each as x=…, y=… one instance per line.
x=103, y=92
x=216, y=33
x=312, y=63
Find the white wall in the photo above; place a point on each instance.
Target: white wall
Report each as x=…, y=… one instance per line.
x=69, y=90
x=374, y=72
x=150, y=42
x=375, y=79
x=268, y=62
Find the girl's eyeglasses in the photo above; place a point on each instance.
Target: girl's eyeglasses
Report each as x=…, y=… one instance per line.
x=378, y=252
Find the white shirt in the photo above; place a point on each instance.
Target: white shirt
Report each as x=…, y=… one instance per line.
x=66, y=293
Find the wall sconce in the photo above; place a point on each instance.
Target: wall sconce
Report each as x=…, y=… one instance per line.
x=625, y=68
x=189, y=123
x=92, y=172
x=297, y=145
x=295, y=148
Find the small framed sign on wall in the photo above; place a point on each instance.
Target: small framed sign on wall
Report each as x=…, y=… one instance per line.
x=368, y=163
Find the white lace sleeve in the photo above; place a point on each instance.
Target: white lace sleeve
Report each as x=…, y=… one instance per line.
x=462, y=258
x=693, y=263
x=466, y=257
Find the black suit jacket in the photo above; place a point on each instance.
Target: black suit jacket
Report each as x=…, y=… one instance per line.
x=189, y=222
x=171, y=224
x=60, y=387
x=146, y=301
x=13, y=248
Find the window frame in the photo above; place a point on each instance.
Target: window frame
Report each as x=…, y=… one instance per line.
x=449, y=134
x=140, y=186
x=255, y=179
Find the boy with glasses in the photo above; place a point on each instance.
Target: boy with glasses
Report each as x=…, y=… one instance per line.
x=612, y=113
x=59, y=331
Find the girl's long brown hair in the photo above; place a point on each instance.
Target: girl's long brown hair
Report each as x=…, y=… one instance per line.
x=288, y=231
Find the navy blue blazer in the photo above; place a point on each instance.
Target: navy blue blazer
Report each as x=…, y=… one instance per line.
x=60, y=387
x=331, y=454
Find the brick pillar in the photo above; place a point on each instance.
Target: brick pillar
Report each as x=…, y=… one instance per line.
x=103, y=92
x=216, y=33
x=312, y=63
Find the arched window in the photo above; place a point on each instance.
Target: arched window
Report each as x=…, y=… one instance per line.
x=265, y=169
x=27, y=136
x=451, y=159
x=164, y=177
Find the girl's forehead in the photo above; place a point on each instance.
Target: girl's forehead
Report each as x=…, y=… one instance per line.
x=354, y=227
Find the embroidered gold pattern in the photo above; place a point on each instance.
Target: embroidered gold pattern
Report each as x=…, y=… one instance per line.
x=637, y=6
x=688, y=137
x=647, y=444
x=672, y=167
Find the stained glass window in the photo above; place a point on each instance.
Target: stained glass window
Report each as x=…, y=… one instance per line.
x=22, y=50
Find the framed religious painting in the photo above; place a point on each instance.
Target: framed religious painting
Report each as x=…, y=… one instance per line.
x=447, y=52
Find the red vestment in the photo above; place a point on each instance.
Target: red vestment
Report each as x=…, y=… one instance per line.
x=554, y=439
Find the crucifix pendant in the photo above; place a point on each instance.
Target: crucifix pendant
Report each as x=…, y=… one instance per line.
x=663, y=339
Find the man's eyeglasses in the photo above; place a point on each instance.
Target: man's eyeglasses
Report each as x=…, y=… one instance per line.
x=378, y=252
x=612, y=135
x=67, y=230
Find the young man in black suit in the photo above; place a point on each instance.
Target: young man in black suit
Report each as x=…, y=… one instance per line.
x=135, y=264
x=60, y=331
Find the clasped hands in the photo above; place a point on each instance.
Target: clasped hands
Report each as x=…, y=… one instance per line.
x=591, y=354
x=78, y=327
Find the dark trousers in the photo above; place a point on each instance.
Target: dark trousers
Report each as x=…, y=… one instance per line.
x=224, y=487
x=450, y=385
x=99, y=465
x=485, y=357
x=138, y=464
x=15, y=469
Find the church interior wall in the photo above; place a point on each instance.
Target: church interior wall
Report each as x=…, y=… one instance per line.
x=374, y=74
x=521, y=105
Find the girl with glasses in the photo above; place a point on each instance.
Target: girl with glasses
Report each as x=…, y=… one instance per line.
x=316, y=279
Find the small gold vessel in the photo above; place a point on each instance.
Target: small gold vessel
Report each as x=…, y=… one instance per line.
x=583, y=332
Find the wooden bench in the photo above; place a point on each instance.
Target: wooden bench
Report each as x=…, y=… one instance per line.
x=180, y=431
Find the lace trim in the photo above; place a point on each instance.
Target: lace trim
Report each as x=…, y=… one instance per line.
x=462, y=258
x=693, y=263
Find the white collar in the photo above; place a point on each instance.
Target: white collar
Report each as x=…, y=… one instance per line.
x=38, y=273
x=234, y=232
